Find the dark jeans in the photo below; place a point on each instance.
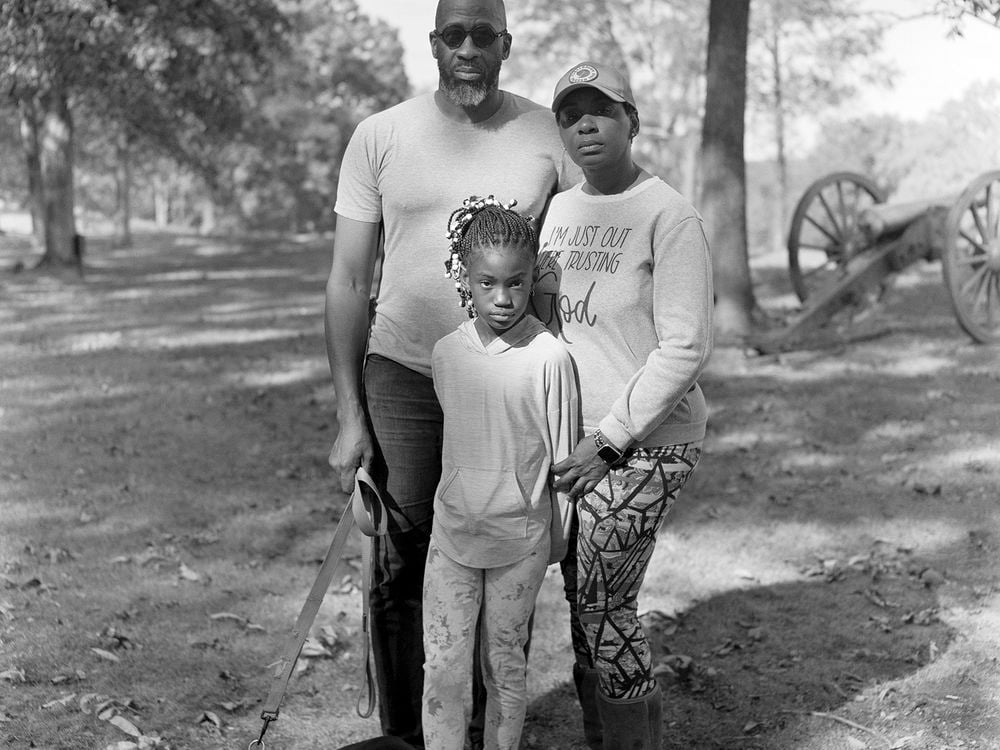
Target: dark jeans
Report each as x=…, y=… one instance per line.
x=406, y=423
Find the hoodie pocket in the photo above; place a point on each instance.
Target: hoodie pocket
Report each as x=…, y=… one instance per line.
x=487, y=503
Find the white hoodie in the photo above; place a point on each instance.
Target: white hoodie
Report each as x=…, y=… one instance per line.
x=510, y=412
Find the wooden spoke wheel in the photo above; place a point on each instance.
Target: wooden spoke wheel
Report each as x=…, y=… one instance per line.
x=824, y=233
x=971, y=258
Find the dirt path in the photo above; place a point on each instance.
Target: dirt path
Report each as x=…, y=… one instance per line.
x=829, y=579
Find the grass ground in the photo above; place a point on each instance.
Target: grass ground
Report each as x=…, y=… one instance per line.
x=828, y=580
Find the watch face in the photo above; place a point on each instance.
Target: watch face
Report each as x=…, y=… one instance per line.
x=609, y=454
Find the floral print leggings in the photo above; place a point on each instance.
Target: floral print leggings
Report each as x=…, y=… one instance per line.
x=454, y=598
x=615, y=532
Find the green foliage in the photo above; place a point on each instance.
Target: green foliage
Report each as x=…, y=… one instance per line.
x=958, y=10
x=809, y=55
x=171, y=74
x=935, y=157
x=248, y=102
x=341, y=67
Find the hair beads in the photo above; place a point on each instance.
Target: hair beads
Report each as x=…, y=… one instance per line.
x=483, y=222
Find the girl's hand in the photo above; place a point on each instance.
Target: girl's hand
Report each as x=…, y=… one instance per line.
x=581, y=471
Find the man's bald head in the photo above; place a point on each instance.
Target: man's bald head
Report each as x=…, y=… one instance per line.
x=491, y=11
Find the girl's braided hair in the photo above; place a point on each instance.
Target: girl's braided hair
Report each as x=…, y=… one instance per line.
x=483, y=222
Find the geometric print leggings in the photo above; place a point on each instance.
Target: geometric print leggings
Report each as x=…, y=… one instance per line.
x=615, y=529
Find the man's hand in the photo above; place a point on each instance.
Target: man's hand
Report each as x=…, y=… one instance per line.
x=352, y=448
x=581, y=471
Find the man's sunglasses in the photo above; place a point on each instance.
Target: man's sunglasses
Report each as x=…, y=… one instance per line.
x=454, y=35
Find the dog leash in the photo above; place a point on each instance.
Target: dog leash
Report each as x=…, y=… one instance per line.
x=372, y=519
x=365, y=507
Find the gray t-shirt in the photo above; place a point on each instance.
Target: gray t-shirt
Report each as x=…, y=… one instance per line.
x=410, y=167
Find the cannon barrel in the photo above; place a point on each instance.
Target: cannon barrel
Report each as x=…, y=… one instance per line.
x=887, y=219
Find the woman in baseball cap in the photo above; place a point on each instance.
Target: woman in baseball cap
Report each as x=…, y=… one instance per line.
x=625, y=281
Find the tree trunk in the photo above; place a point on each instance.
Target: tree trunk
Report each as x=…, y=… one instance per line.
x=28, y=109
x=207, y=209
x=161, y=202
x=723, y=201
x=123, y=193
x=781, y=195
x=53, y=134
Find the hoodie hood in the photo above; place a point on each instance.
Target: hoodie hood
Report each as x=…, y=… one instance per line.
x=525, y=330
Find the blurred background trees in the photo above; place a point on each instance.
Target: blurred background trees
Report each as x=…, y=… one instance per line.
x=221, y=114
x=232, y=115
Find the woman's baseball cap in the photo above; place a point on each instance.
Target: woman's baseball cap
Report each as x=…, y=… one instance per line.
x=604, y=78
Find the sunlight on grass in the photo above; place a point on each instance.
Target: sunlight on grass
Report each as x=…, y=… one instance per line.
x=209, y=251
x=95, y=341
x=981, y=459
x=691, y=565
x=153, y=340
x=918, y=365
x=811, y=460
x=245, y=273
x=298, y=372
x=734, y=439
x=896, y=430
x=241, y=311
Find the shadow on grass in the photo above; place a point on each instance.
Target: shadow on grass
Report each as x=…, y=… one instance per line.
x=745, y=669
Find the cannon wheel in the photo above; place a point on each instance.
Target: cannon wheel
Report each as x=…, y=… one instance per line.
x=824, y=233
x=971, y=258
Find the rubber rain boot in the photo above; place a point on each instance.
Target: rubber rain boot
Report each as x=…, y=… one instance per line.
x=633, y=724
x=585, y=679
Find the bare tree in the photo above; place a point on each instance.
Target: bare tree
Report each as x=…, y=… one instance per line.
x=723, y=196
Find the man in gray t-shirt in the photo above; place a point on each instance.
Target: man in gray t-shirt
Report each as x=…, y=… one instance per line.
x=405, y=170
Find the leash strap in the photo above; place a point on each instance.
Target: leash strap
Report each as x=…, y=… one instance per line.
x=373, y=520
x=305, y=620
x=366, y=582
x=366, y=509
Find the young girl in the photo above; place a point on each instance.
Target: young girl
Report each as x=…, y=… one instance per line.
x=508, y=393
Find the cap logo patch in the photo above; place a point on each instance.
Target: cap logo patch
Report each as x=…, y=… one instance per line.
x=583, y=74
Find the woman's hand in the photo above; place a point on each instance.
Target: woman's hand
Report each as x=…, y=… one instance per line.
x=581, y=471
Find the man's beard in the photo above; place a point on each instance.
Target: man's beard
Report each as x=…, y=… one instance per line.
x=468, y=93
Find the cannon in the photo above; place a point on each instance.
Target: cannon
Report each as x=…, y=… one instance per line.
x=845, y=241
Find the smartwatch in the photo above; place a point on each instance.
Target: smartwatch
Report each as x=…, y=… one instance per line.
x=608, y=453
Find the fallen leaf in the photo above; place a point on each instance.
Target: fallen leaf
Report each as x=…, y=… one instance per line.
x=751, y=726
x=64, y=701
x=210, y=717
x=923, y=617
x=855, y=744
x=125, y=725
x=931, y=578
x=105, y=654
x=756, y=634
x=12, y=675
x=315, y=648
x=229, y=616
x=87, y=701
x=187, y=574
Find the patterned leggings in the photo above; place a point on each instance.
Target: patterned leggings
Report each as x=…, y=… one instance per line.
x=615, y=534
x=502, y=600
